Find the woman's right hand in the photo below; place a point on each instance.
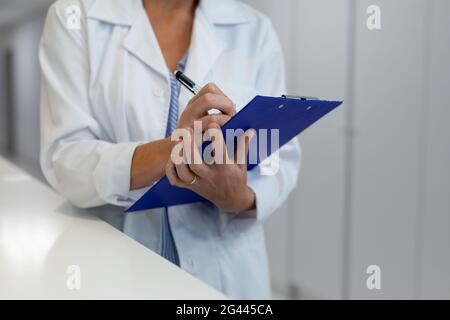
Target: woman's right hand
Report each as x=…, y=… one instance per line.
x=210, y=97
x=149, y=160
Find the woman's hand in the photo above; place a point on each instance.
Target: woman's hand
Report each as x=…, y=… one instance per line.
x=149, y=160
x=224, y=183
x=210, y=97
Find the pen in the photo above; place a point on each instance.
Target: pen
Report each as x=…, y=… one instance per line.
x=191, y=86
x=187, y=83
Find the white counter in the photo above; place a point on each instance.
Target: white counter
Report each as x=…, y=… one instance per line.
x=45, y=243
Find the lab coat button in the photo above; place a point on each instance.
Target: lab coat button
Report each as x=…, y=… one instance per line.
x=158, y=92
x=190, y=263
x=189, y=266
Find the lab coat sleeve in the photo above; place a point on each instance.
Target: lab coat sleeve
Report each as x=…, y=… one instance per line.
x=273, y=180
x=75, y=157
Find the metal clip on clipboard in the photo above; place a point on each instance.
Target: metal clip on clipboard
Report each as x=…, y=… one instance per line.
x=286, y=96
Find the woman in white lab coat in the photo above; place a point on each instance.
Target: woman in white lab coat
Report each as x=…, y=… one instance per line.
x=107, y=95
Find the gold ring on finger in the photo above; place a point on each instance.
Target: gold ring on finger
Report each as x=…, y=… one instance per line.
x=193, y=181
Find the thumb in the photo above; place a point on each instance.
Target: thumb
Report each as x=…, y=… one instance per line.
x=244, y=147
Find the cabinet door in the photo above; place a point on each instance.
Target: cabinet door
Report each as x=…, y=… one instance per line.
x=388, y=108
x=4, y=131
x=321, y=37
x=434, y=233
x=26, y=87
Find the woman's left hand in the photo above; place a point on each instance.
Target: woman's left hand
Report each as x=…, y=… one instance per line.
x=224, y=182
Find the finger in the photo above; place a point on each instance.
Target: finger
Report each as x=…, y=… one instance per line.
x=172, y=175
x=200, y=107
x=209, y=88
x=176, y=155
x=243, y=147
x=219, y=145
x=220, y=119
x=184, y=173
x=197, y=166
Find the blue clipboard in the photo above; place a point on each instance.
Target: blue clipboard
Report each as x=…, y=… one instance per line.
x=291, y=116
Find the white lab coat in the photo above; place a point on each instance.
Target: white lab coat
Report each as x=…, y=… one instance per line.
x=105, y=90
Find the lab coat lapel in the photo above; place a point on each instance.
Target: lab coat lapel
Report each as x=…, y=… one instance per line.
x=140, y=40
x=142, y=43
x=206, y=47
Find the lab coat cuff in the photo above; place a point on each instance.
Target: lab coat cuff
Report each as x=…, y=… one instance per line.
x=113, y=173
x=263, y=189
